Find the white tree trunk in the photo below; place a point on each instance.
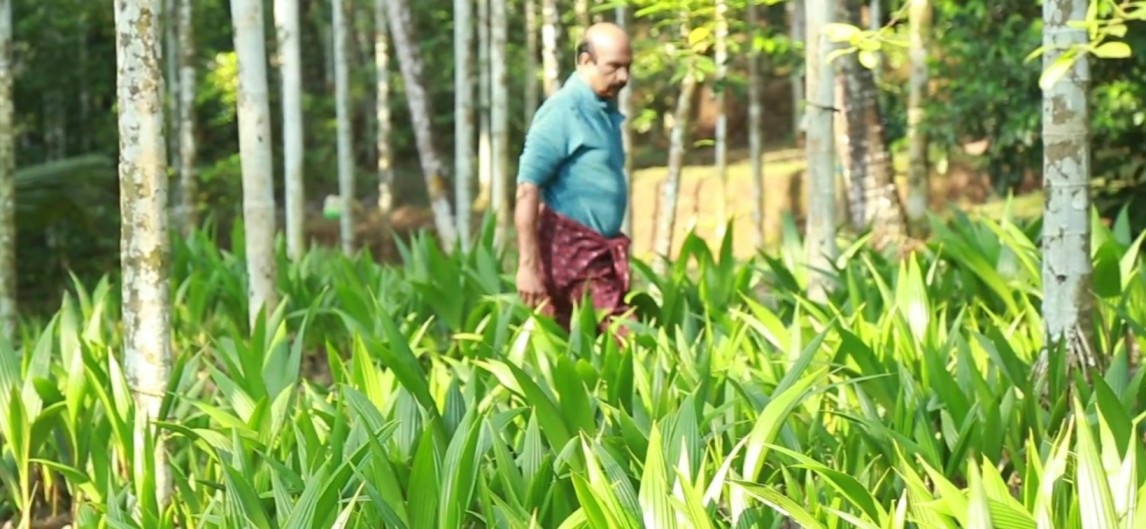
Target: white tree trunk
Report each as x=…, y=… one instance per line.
x=342, y=113
x=531, y=84
x=171, y=63
x=290, y=54
x=499, y=72
x=1066, y=174
x=918, y=186
x=255, y=153
x=7, y=179
x=550, y=26
x=820, y=236
x=463, y=116
x=188, y=176
x=799, y=25
x=755, y=132
x=721, y=148
x=144, y=243
x=666, y=219
x=625, y=103
x=485, y=98
x=382, y=111
x=421, y=110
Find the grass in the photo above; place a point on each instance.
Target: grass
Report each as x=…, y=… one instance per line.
x=904, y=400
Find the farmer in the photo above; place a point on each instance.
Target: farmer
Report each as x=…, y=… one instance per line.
x=571, y=190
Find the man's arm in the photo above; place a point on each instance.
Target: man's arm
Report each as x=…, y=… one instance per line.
x=525, y=220
x=546, y=145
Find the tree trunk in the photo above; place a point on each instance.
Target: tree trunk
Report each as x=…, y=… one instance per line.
x=867, y=160
x=530, y=60
x=7, y=179
x=188, y=177
x=625, y=103
x=918, y=185
x=171, y=62
x=721, y=56
x=421, y=110
x=666, y=220
x=327, y=44
x=290, y=55
x=798, y=26
x=550, y=25
x=255, y=154
x=463, y=115
x=485, y=145
x=345, y=136
x=755, y=133
x=1066, y=174
x=382, y=109
x=144, y=242
x=820, y=237
x=500, y=118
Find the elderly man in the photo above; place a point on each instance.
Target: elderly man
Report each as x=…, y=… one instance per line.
x=571, y=190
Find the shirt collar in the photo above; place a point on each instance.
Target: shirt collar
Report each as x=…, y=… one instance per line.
x=586, y=94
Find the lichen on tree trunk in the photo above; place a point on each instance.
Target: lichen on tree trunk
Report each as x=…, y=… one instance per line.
x=1066, y=266
x=463, y=116
x=188, y=177
x=289, y=38
x=918, y=185
x=382, y=111
x=820, y=234
x=345, y=148
x=433, y=168
x=255, y=157
x=499, y=118
x=144, y=242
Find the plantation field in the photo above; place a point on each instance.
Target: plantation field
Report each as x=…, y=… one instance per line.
x=422, y=395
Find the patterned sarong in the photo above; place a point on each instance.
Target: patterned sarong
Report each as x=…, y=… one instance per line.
x=575, y=259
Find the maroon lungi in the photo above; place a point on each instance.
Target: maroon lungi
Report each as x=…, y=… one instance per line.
x=576, y=258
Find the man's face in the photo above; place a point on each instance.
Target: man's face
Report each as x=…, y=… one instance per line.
x=607, y=70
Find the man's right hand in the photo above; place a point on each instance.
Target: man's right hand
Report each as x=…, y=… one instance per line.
x=530, y=286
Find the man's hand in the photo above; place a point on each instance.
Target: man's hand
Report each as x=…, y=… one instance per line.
x=530, y=286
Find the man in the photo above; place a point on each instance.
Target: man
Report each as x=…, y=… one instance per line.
x=571, y=189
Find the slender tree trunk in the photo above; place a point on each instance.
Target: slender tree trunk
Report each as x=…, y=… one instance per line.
x=500, y=117
x=171, y=36
x=345, y=135
x=188, y=175
x=1067, y=301
x=382, y=102
x=289, y=41
x=144, y=243
x=625, y=102
x=464, y=115
x=327, y=43
x=531, y=84
x=485, y=101
x=798, y=26
x=721, y=79
x=550, y=25
x=918, y=185
x=7, y=179
x=421, y=109
x=666, y=220
x=255, y=154
x=875, y=21
x=755, y=133
x=820, y=237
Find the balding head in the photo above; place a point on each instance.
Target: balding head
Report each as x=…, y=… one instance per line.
x=603, y=58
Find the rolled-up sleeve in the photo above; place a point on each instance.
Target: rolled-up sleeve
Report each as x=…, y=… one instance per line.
x=546, y=145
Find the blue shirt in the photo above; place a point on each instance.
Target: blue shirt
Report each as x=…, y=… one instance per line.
x=574, y=154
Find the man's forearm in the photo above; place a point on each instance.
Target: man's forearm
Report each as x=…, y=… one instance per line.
x=525, y=220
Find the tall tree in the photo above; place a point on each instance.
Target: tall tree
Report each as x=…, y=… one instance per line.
x=144, y=241
x=918, y=186
x=255, y=155
x=820, y=237
x=382, y=111
x=499, y=116
x=755, y=126
x=721, y=78
x=345, y=136
x=464, y=115
x=531, y=51
x=550, y=26
x=678, y=147
x=288, y=28
x=421, y=110
x=188, y=176
x=798, y=27
x=1066, y=266
x=625, y=104
x=866, y=159
x=7, y=179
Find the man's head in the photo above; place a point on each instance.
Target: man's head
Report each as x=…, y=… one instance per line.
x=604, y=57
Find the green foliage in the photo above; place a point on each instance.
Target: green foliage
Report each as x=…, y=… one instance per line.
x=425, y=395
